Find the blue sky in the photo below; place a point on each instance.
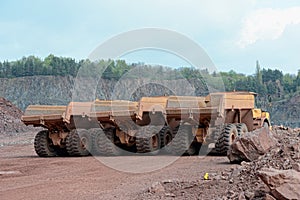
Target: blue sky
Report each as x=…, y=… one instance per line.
x=234, y=33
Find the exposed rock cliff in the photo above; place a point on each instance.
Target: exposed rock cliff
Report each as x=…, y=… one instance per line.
x=287, y=112
x=56, y=90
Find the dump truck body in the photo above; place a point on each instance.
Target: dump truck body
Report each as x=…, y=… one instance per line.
x=49, y=117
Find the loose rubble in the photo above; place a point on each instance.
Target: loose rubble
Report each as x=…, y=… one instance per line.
x=10, y=118
x=248, y=180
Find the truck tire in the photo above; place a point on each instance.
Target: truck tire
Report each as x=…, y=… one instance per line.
x=103, y=142
x=94, y=133
x=43, y=144
x=166, y=136
x=226, y=138
x=182, y=141
x=242, y=129
x=79, y=142
x=148, y=139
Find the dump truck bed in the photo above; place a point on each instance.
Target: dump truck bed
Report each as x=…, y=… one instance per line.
x=116, y=108
x=41, y=114
x=89, y=114
x=101, y=109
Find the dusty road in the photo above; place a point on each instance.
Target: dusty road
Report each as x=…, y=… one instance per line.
x=23, y=175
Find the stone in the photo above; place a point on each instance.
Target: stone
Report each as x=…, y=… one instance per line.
x=249, y=195
x=251, y=146
x=170, y=195
x=156, y=187
x=283, y=184
x=269, y=197
x=242, y=196
x=296, y=166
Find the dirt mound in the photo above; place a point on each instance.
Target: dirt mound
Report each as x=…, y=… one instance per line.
x=10, y=118
x=242, y=181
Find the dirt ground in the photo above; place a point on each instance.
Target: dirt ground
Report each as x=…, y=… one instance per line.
x=24, y=175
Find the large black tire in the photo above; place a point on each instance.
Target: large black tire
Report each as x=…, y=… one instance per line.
x=217, y=138
x=103, y=142
x=242, y=129
x=43, y=144
x=148, y=139
x=94, y=134
x=79, y=142
x=226, y=138
x=182, y=141
x=166, y=136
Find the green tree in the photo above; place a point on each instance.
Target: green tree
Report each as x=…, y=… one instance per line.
x=258, y=73
x=288, y=83
x=297, y=81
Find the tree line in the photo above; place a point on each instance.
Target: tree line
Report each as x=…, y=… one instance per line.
x=268, y=83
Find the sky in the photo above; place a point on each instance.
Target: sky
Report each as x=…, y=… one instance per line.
x=233, y=33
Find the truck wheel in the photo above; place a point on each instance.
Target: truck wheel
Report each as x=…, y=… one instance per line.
x=95, y=147
x=226, y=138
x=103, y=142
x=148, y=139
x=182, y=141
x=242, y=129
x=43, y=144
x=79, y=143
x=166, y=136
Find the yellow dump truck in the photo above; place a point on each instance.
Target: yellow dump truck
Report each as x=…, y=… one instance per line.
x=168, y=124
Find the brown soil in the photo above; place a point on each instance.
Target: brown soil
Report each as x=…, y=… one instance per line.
x=26, y=176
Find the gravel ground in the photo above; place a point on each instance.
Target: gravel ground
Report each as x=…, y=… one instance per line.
x=26, y=176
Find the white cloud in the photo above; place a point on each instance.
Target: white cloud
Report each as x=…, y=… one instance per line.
x=267, y=24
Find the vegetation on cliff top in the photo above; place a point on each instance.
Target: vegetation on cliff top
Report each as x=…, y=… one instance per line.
x=268, y=83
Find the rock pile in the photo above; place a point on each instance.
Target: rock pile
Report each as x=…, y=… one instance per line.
x=272, y=174
x=269, y=173
x=10, y=118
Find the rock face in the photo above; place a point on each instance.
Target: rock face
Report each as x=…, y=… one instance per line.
x=283, y=184
x=251, y=145
x=56, y=90
x=286, y=112
x=10, y=118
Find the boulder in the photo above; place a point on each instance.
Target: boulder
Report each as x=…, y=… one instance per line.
x=252, y=145
x=283, y=184
x=156, y=187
